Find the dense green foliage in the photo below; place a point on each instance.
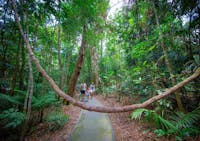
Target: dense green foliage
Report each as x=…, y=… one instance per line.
x=56, y=120
x=11, y=118
x=145, y=48
x=180, y=124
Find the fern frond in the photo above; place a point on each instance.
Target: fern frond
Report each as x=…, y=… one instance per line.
x=137, y=114
x=160, y=132
x=11, y=118
x=150, y=116
x=166, y=124
x=186, y=120
x=43, y=102
x=189, y=131
x=10, y=99
x=20, y=92
x=176, y=117
x=56, y=120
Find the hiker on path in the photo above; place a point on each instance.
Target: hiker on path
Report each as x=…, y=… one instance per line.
x=87, y=93
x=92, y=89
x=83, y=90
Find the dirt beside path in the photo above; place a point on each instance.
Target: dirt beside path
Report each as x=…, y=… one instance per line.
x=126, y=129
x=43, y=134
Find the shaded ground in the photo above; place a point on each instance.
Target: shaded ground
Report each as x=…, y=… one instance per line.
x=132, y=130
x=126, y=129
x=93, y=126
x=42, y=132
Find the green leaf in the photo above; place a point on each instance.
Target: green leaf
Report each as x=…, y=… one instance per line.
x=131, y=21
x=152, y=47
x=11, y=118
x=160, y=132
x=56, y=120
x=137, y=114
x=186, y=120
x=11, y=99
x=44, y=101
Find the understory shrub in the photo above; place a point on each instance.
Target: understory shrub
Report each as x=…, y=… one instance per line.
x=179, y=124
x=56, y=120
x=11, y=118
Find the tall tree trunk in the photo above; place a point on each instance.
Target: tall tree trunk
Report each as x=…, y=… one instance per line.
x=94, y=64
x=137, y=19
x=22, y=67
x=16, y=70
x=67, y=74
x=3, y=67
x=167, y=62
x=78, y=66
x=59, y=58
x=4, y=49
x=28, y=99
x=59, y=55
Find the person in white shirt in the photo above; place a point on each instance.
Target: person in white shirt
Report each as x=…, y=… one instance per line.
x=92, y=89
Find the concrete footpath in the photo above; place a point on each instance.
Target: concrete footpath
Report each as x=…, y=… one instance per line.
x=92, y=126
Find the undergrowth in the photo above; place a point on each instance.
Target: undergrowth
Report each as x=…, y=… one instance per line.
x=179, y=125
x=56, y=120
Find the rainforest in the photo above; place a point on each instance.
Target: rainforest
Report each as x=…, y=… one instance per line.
x=103, y=70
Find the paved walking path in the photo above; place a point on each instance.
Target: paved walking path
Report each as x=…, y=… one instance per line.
x=93, y=126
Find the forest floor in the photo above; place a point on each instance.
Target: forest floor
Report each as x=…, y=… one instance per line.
x=42, y=133
x=125, y=129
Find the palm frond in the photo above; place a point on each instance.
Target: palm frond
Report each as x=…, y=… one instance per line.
x=137, y=114
x=166, y=124
x=189, y=131
x=186, y=120
x=150, y=116
x=180, y=125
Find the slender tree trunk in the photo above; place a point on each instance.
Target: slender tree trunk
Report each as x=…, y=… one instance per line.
x=190, y=53
x=67, y=75
x=59, y=59
x=101, y=62
x=21, y=73
x=68, y=61
x=79, y=63
x=16, y=70
x=136, y=18
x=94, y=64
x=167, y=62
x=59, y=54
x=3, y=67
x=28, y=99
